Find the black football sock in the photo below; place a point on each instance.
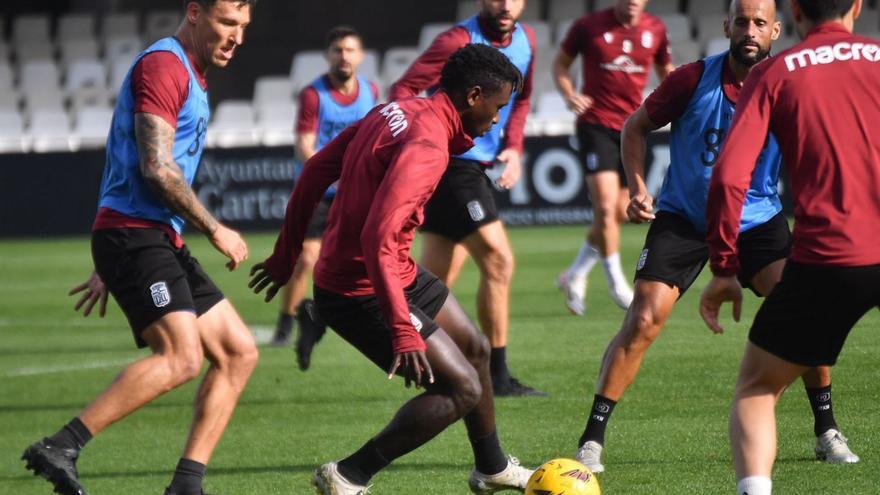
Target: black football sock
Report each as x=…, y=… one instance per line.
x=488, y=456
x=74, y=435
x=498, y=365
x=600, y=414
x=823, y=413
x=360, y=467
x=188, y=477
x=285, y=324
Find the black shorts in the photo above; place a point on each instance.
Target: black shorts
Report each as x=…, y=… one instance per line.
x=318, y=223
x=807, y=317
x=675, y=252
x=462, y=203
x=599, y=150
x=361, y=321
x=149, y=277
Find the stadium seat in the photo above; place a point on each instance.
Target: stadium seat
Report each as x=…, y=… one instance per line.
x=561, y=31
x=716, y=45
x=118, y=46
x=553, y=114
x=49, y=131
x=565, y=10
x=429, y=32
x=9, y=100
x=34, y=51
x=85, y=73
x=119, y=24
x=233, y=125
x=709, y=26
x=118, y=69
x=92, y=126
x=699, y=8
x=269, y=90
x=685, y=52
x=678, y=27
x=658, y=7
x=90, y=96
x=160, y=24
x=30, y=27
x=4, y=52
x=42, y=99
x=74, y=26
x=369, y=68
x=39, y=74
x=532, y=11
x=12, y=136
x=275, y=122
x=78, y=49
x=542, y=33
x=6, y=79
x=396, y=61
x=306, y=66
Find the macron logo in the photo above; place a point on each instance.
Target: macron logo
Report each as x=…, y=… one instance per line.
x=826, y=54
x=394, y=118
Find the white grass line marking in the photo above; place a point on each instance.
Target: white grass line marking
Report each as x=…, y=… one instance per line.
x=62, y=368
x=262, y=333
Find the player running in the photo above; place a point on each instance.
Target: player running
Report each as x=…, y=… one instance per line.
x=328, y=105
x=153, y=152
x=369, y=290
x=819, y=99
x=699, y=99
x=618, y=46
x=462, y=217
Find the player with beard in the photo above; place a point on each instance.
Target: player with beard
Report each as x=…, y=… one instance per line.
x=172, y=306
x=462, y=217
x=328, y=105
x=618, y=47
x=370, y=291
x=698, y=99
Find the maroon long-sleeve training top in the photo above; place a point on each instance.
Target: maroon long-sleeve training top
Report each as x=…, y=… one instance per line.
x=388, y=165
x=821, y=99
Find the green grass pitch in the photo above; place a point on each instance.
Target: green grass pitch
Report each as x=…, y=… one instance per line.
x=668, y=434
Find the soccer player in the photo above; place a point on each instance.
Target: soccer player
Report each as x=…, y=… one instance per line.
x=328, y=105
x=699, y=99
x=153, y=151
x=618, y=46
x=819, y=99
x=369, y=290
x=462, y=217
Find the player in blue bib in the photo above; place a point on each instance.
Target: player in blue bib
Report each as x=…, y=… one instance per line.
x=172, y=306
x=698, y=100
x=332, y=102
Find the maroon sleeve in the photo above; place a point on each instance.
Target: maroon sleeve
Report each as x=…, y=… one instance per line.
x=516, y=124
x=733, y=172
x=409, y=182
x=307, y=114
x=160, y=86
x=663, y=56
x=425, y=70
x=669, y=101
x=321, y=170
x=571, y=45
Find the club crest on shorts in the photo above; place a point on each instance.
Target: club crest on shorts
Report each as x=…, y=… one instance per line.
x=592, y=161
x=417, y=323
x=475, y=210
x=642, y=259
x=161, y=296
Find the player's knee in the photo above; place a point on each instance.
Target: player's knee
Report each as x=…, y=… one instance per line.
x=499, y=265
x=467, y=393
x=643, y=328
x=186, y=364
x=245, y=358
x=478, y=350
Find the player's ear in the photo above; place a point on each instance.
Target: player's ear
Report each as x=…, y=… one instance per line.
x=474, y=95
x=193, y=10
x=777, y=30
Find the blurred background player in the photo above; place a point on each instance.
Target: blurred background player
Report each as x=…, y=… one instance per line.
x=618, y=46
x=328, y=105
x=372, y=293
x=153, y=152
x=822, y=110
x=699, y=99
x=461, y=217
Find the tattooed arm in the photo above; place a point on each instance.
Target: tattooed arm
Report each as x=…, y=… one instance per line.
x=155, y=140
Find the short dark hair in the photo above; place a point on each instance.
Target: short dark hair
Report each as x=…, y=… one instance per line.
x=479, y=65
x=340, y=32
x=210, y=3
x=823, y=10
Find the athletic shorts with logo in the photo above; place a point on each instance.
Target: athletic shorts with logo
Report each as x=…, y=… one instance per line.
x=808, y=316
x=599, y=150
x=462, y=203
x=361, y=321
x=149, y=277
x=318, y=223
x=675, y=252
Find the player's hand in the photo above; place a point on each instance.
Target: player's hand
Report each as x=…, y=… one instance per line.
x=93, y=291
x=260, y=279
x=512, y=168
x=640, y=208
x=719, y=291
x=231, y=244
x=413, y=366
x=579, y=103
